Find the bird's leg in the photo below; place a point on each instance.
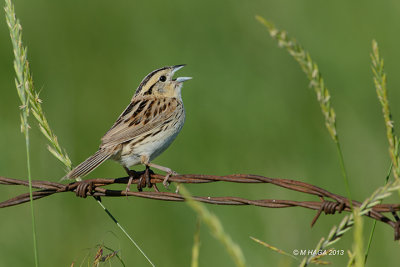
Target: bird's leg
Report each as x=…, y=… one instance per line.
x=145, y=161
x=141, y=184
x=147, y=174
x=165, y=169
x=131, y=174
x=156, y=188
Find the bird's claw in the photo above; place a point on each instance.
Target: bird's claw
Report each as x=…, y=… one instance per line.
x=131, y=174
x=169, y=174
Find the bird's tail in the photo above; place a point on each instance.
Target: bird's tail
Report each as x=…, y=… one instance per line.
x=89, y=164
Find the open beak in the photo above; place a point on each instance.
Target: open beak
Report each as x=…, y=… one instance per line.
x=180, y=79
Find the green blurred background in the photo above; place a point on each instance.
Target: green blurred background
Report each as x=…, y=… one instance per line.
x=248, y=110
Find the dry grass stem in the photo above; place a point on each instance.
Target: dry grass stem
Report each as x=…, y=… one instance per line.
x=280, y=251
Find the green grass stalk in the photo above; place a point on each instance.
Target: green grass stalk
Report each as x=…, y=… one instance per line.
x=358, y=239
x=352, y=259
x=31, y=102
x=125, y=232
x=310, y=68
x=24, y=84
x=348, y=221
x=32, y=97
x=215, y=227
x=382, y=93
x=381, y=90
x=371, y=235
x=344, y=173
x=196, y=246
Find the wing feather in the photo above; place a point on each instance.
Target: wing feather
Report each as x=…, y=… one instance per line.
x=89, y=164
x=141, y=117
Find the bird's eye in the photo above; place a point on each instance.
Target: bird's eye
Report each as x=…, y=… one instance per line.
x=163, y=78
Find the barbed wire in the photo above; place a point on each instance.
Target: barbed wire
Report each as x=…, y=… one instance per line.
x=96, y=188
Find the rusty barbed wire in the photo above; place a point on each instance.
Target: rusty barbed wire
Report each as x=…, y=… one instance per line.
x=95, y=188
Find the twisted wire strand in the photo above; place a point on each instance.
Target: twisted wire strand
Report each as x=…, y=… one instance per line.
x=95, y=188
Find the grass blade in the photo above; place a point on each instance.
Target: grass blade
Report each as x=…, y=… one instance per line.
x=310, y=68
x=374, y=225
x=125, y=232
x=381, y=90
x=215, y=227
x=358, y=239
x=31, y=102
x=280, y=251
x=348, y=221
x=196, y=246
x=24, y=84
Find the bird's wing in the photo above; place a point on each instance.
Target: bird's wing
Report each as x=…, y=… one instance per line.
x=143, y=117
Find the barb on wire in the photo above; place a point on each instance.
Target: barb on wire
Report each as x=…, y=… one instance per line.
x=96, y=188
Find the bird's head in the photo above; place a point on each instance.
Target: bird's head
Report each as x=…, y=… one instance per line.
x=160, y=83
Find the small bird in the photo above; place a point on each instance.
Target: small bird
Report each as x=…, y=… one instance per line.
x=145, y=128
